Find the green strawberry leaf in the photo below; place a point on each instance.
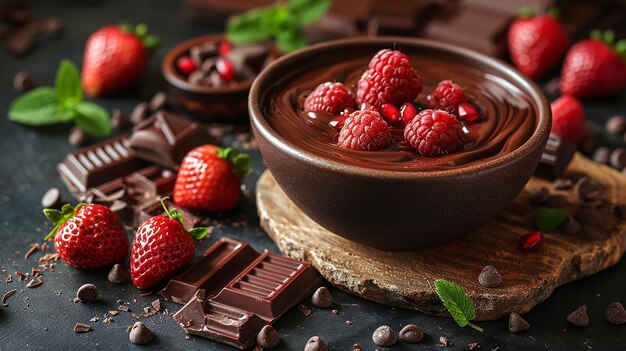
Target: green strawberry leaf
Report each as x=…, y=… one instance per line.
x=307, y=12
x=175, y=215
x=67, y=85
x=199, y=233
x=291, y=39
x=92, y=118
x=239, y=162
x=59, y=217
x=37, y=108
x=549, y=218
x=253, y=26
x=55, y=216
x=456, y=301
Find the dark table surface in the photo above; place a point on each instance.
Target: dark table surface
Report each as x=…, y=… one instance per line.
x=44, y=318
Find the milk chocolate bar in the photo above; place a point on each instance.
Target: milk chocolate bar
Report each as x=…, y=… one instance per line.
x=233, y=291
x=555, y=158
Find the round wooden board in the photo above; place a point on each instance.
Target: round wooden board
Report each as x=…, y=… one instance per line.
x=405, y=279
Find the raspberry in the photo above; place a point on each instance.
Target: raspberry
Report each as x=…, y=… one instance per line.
x=390, y=78
x=434, y=133
x=446, y=96
x=365, y=130
x=330, y=98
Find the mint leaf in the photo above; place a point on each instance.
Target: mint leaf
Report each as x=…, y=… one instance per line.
x=458, y=304
x=307, y=12
x=37, y=107
x=549, y=218
x=92, y=118
x=68, y=87
x=253, y=26
x=291, y=39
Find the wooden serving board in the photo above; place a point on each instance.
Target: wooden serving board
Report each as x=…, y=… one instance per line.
x=405, y=279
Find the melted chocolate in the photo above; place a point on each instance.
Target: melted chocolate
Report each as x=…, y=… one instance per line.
x=509, y=117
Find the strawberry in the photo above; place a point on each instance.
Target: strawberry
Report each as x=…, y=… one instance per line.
x=568, y=119
x=536, y=43
x=594, y=67
x=116, y=58
x=162, y=247
x=88, y=235
x=209, y=178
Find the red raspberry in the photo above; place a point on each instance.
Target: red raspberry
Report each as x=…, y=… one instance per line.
x=434, y=133
x=446, y=96
x=365, y=130
x=330, y=98
x=390, y=78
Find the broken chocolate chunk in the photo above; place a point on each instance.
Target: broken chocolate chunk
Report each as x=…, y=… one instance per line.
x=555, y=158
x=615, y=314
x=517, y=323
x=81, y=328
x=579, y=317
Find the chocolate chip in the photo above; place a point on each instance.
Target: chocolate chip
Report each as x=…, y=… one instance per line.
x=119, y=120
x=589, y=191
x=411, y=333
x=562, y=184
x=52, y=199
x=601, y=155
x=140, y=334
x=540, y=197
x=579, y=317
x=87, y=293
x=23, y=81
x=52, y=26
x=140, y=112
x=517, y=323
x=615, y=314
x=588, y=215
x=118, y=275
x=591, y=232
x=322, y=298
x=81, y=328
x=489, y=277
x=618, y=158
x=78, y=136
x=570, y=226
x=616, y=125
x=473, y=346
x=444, y=341
x=268, y=338
x=315, y=344
x=209, y=66
x=199, y=53
x=159, y=101
x=20, y=43
x=384, y=336
x=556, y=201
x=214, y=80
x=196, y=77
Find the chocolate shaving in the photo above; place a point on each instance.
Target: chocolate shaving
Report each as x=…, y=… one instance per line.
x=35, y=272
x=34, y=283
x=8, y=279
x=144, y=294
x=21, y=276
x=48, y=257
x=156, y=304
x=304, y=310
x=32, y=250
x=6, y=296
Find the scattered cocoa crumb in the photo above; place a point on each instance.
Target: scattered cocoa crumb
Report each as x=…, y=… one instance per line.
x=186, y=337
x=123, y=308
x=147, y=293
x=444, y=341
x=128, y=328
x=113, y=312
x=36, y=282
x=49, y=257
x=146, y=310
x=35, y=272
x=473, y=346
x=349, y=322
x=156, y=304
x=33, y=248
x=21, y=276
x=334, y=312
x=82, y=328
x=107, y=319
x=44, y=246
x=6, y=296
x=8, y=279
x=304, y=310
x=94, y=319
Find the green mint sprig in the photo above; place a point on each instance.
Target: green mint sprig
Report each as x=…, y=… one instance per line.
x=61, y=104
x=549, y=218
x=456, y=301
x=283, y=22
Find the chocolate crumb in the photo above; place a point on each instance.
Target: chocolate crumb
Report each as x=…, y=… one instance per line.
x=384, y=336
x=601, y=155
x=304, y=310
x=540, y=197
x=579, y=317
x=118, y=275
x=316, y=344
x=94, y=319
x=473, y=346
x=349, y=322
x=562, y=184
x=490, y=277
x=268, y=338
x=156, y=304
x=8, y=279
x=6, y=296
x=82, y=328
x=52, y=199
x=159, y=101
x=140, y=334
x=123, y=308
x=618, y=158
x=34, y=283
x=616, y=125
x=87, y=293
x=33, y=248
x=140, y=112
x=119, y=120
x=517, y=323
x=322, y=298
x=334, y=312
x=78, y=136
x=411, y=333
x=23, y=82
x=444, y=341
x=114, y=312
x=615, y=314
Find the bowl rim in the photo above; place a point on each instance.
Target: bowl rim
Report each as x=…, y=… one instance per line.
x=262, y=126
x=172, y=76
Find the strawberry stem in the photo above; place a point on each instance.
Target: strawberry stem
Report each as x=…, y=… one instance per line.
x=239, y=162
x=59, y=217
x=526, y=12
x=553, y=12
x=196, y=233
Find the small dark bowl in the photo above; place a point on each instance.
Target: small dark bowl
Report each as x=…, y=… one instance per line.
x=395, y=210
x=225, y=104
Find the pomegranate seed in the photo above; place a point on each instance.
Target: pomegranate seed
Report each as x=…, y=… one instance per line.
x=531, y=242
x=346, y=111
x=467, y=112
x=407, y=111
x=226, y=70
x=185, y=65
x=390, y=113
x=224, y=48
x=367, y=106
x=338, y=122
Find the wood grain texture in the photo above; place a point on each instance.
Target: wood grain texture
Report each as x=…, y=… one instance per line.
x=405, y=279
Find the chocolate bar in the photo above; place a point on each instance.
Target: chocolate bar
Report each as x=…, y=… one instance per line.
x=165, y=139
x=555, y=158
x=233, y=291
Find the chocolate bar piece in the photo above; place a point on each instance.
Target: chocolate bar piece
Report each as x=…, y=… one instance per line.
x=99, y=164
x=555, y=158
x=233, y=291
x=165, y=138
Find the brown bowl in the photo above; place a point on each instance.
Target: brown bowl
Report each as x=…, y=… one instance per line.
x=226, y=104
x=395, y=210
